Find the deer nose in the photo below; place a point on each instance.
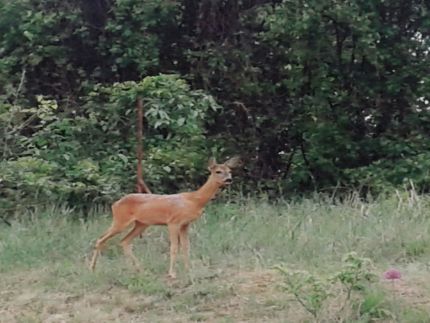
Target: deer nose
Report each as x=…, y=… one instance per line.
x=228, y=181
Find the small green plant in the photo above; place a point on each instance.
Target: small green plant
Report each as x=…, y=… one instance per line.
x=355, y=273
x=373, y=306
x=310, y=291
x=354, y=276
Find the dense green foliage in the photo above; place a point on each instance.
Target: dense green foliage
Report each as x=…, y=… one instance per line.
x=313, y=94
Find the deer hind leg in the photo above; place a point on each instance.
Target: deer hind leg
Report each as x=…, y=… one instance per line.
x=185, y=245
x=174, y=245
x=115, y=228
x=126, y=241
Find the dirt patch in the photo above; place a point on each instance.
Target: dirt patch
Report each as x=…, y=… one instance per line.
x=42, y=306
x=413, y=291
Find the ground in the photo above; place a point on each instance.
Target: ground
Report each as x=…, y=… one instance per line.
x=235, y=249
x=220, y=296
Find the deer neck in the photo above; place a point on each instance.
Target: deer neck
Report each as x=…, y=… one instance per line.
x=207, y=192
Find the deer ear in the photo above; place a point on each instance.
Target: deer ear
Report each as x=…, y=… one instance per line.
x=233, y=162
x=211, y=163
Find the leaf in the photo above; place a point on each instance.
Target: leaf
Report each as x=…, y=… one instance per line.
x=123, y=158
x=181, y=121
x=28, y=34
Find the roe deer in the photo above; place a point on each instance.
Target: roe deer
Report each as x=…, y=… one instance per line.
x=176, y=211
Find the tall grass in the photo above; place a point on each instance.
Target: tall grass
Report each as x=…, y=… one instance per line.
x=232, y=236
x=247, y=233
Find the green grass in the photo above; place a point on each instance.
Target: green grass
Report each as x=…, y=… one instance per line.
x=234, y=247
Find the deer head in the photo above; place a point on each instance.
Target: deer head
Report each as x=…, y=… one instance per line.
x=221, y=173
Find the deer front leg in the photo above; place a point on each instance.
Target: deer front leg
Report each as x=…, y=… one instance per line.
x=112, y=231
x=185, y=245
x=174, y=244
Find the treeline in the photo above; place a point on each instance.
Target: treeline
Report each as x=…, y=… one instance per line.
x=314, y=94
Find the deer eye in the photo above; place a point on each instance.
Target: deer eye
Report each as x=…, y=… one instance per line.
x=218, y=172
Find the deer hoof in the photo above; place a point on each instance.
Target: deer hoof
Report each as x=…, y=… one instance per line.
x=171, y=275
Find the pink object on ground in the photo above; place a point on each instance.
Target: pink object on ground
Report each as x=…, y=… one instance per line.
x=392, y=274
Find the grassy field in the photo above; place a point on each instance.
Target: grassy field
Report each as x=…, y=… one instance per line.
x=235, y=248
